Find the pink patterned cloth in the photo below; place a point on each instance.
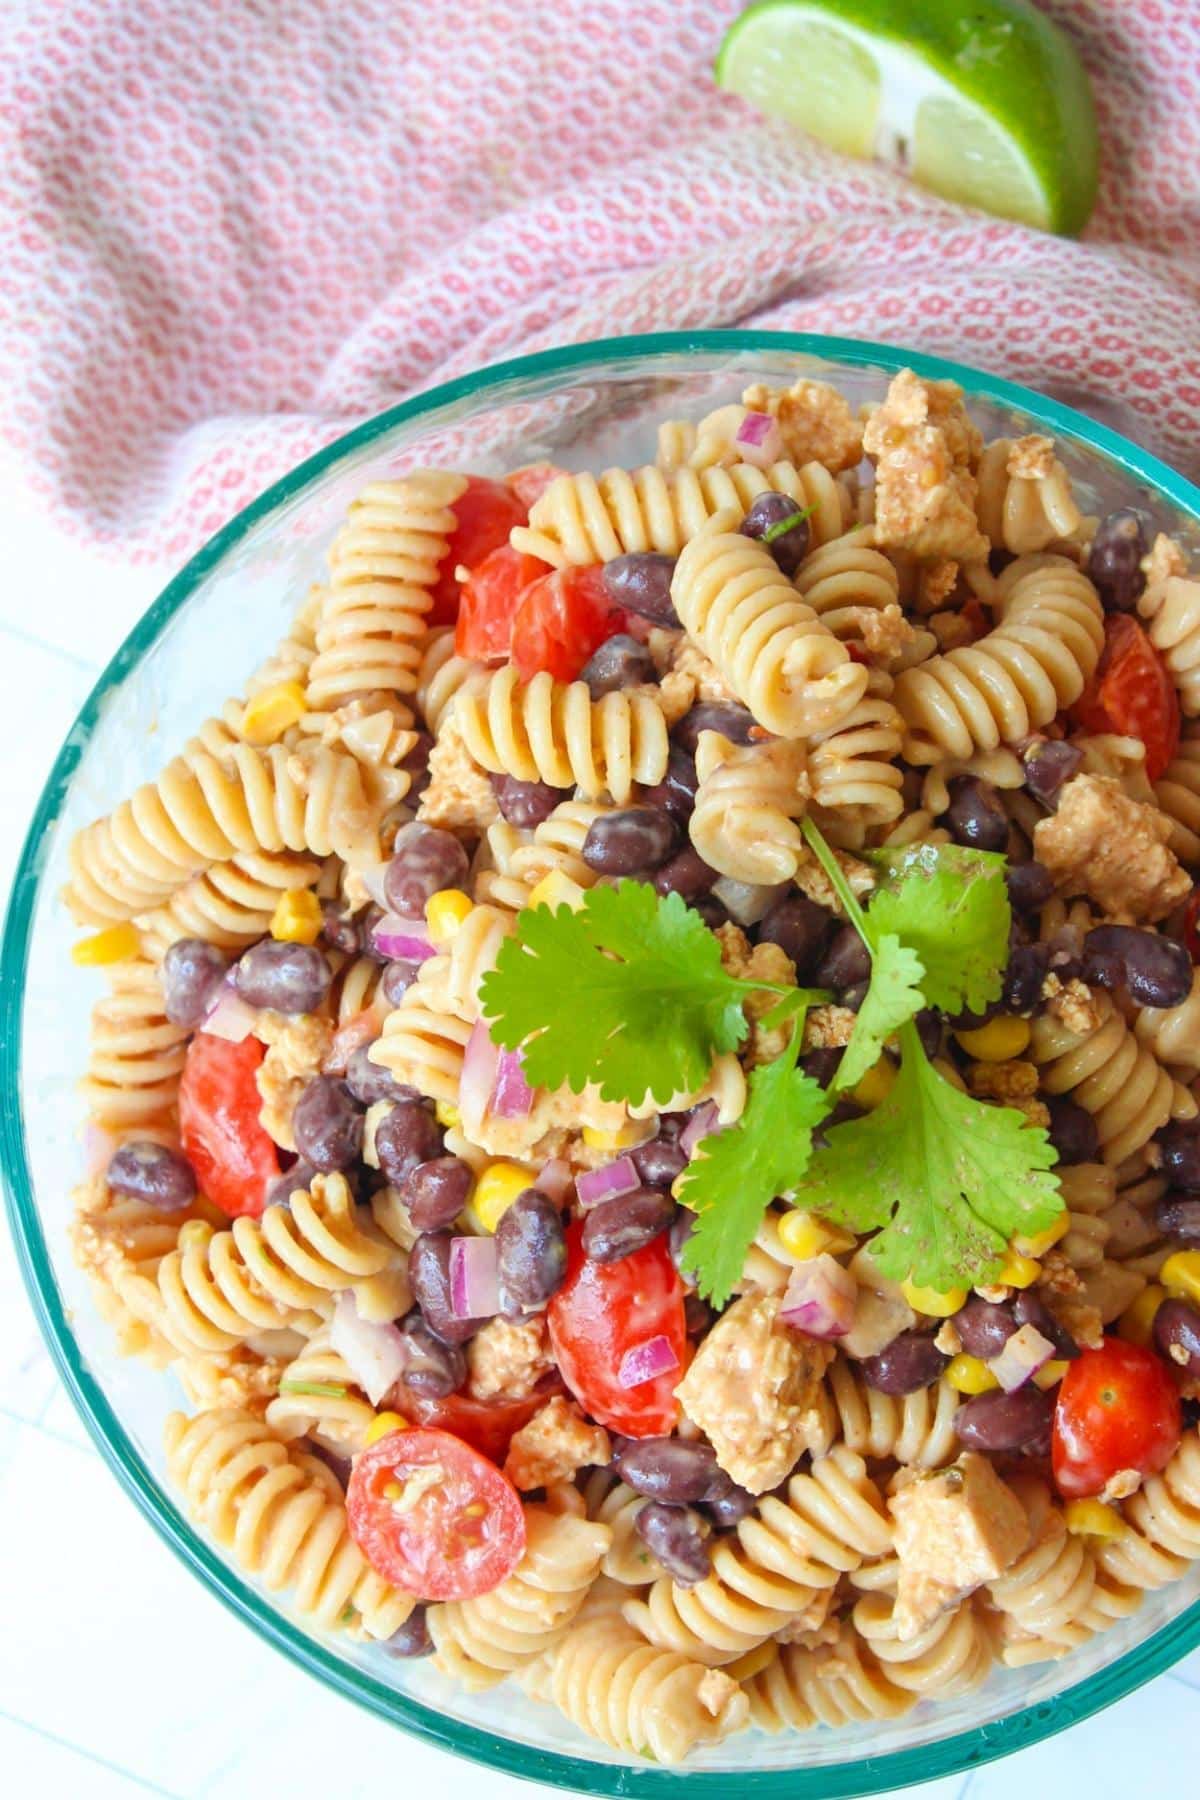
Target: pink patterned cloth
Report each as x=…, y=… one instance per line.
x=229, y=229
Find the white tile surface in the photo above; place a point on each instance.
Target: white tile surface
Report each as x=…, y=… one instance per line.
x=118, y=1674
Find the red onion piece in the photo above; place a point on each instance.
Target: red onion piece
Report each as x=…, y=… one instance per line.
x=555, y=1180
x=745, y=901
x=373, y=1353
x=229, y=1016
x=1023, y=1355
x=408, y=939
x=480, y=1063
x=608, y=1183
x=759, y=440
x=703, y=1123
x=645, y=1361
x=821, y=1298
x=474, y=1280
x=512, y=1096
x=363, y=1028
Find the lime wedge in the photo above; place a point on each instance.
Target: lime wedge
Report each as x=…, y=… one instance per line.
x=983, y=101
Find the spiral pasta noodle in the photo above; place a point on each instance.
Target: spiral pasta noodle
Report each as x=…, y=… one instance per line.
x=950, y=1656
x=553, y=731
x=1025, y=511
x=424, y=1040
x=1173, y=1033
x=556, y=846
x=748, y=800
x=1163, y=1525
x=842, y=576
x=916, y=1430
x=627, y=1560
x=1112, y=1076
x=834, y=1685
x=309, y=1405
x=852, y=767
x=231, y=904
x=1089, y=1190
x=1171, y=609
x=1178, y=796
x=136, y=1055
x=443, y=675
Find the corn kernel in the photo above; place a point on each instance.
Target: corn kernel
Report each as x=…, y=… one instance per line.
x=1093, y=1518
x=446, y=912
x=1051, y=1373
x=555, y=890
x=383, y=1423
x=804, y=1236
x=1040, y=1241
x=875, y=1086
x=970, y=1375
x=1019, y=1271
x=116, y=944
x=496, y=1190
x=1180, y=1275
x=447, y=1116
x=273, y=712
x=626, y=1137
x=997, y=1041
x=948, y=1072
x=929, y=1301
x=297, y=918
x=753, y=1662
x=194, y=1235
x=1136, y=1324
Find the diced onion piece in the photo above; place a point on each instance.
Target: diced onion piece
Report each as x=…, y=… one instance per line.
x=555, y=1180
x=373, y=1353
x=480, y=1063
x=821, y=1298
x=474, y=1278
x=608, y=1183
x=705, y=1122
x=745, y=901
x=397, y=937
x=363, y=1028
x=759, y=440
x=229, y=1016
x=1022, y=1356
x=646, y=1361
x=512, y=1096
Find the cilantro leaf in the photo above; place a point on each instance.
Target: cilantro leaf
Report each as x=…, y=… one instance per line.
x=951, y=906
x=892, y=999
x=948, y=1178
x=736, y=1174
x=627, y=992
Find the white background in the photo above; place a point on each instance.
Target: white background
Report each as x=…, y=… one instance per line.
x=119, y=1675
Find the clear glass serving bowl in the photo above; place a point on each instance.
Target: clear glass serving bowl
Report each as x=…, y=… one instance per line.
x=588, y=406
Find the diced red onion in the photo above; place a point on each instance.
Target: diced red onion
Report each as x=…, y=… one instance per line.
x=1023, y=1355
x=229, y=1016
x=397, y=937
x=759, y=440
x=480, y=1063
x=373, y=1353
x=512, y=1096
x=745, y=901
x=363, y=1028
x=646, y=1361
x=474, y=1280
x=821, y=1298
x=608, y=1183
x=555, y=1180
x=704, y=1122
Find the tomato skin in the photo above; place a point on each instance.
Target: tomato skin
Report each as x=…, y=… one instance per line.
x=1117, y=1408
x=486, y=1425
x=1132, y=694
x=531, y=482
x=1190, y=933
x=489, y=602
x=603, y=1310
x=561, y=620
x=234, y=1158
x=485, y=512
x=439, y=1549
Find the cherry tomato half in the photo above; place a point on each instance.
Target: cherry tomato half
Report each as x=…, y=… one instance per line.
x=434, y=1517
x=1190, y=931
x=487, y=1425
x=603, y=1310
x=1117, y=1408
x=489, y=601
x=531, y=482
x=234, y=1159
x=1132, y=694
x=561, y=619
x=485, y=512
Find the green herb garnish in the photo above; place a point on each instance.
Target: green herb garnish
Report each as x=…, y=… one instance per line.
x=327, y=1390
x=788, y=524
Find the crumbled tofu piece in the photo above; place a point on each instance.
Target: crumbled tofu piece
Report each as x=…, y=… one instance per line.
x=753, y=1388
x=662, y=644
x=955, y=1529
x=881, y=1313
x=1031, y=458
x=1121, y=1486
x=1165, y=559
x=816, y=422
x=951, y=630
x=675, y=694
x=935, y=583
x=379, y=736
x=297, y=1047
x=924, y=447
x=812, y=880
x=689, y=659
x=508, y=1357
x=763, y=962
x=460, y=795
x=817, y=1627
x=1072, y=1003
x=1063, y=1291
x=719, y=1694
x=828, y=1027
x=884, y=631
x=1103, y=844
x=231, y=1378
x=1012, y=1084
x=947, y=1338
x=557, y=1442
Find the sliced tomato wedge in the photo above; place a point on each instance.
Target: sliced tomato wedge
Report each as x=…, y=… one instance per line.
x=1117, y=1409
x=485, y=512
x=561, y=620
x=604, y=1310
x=531, y=482
x=1132, y=694
x=434, y=1517
x=234, y=1158
x=487, y=1425
x=1190, y=930
x=489, y=602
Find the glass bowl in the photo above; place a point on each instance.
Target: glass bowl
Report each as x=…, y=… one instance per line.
x=588, y=406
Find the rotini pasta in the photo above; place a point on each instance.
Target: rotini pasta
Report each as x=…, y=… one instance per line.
x=443, y=675
x=915, y=1430
x=1112, y=1076
x=833, y=1684
x=424, y=1040
x=136, y=1055
x=1171, y=609
x=1173, y=1033
x=1178, y=796
x=554, y=731
x=855, y=781
x=948, y=1657
x=231, y=904
x=747, y=803
x=1025, y=500
x=318, y=1398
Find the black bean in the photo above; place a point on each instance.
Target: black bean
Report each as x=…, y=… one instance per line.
x=984, y=1327
x=726, y=1502
x=641, y=582
x=287, y=978
x=1178, y=1218
x=531, y=1250
x=910, y=1362
x=678, y=1537
x=340, y=928
x=711, y=911
x=526, y=803
x=1177, y=1335
x=852, y=997
x=406, y=1135
x=412, y=1639
x=676, y=792
x=368, y=1081
x=845, y=962
x=1156, y=970
x=435, y=1192
x=734, y=722
x=769, y=511
x=634, y=838
x=616, y=1228
x=1000, y=1421
x=191, y=973
x=659, y=1162
x=975, y=814
x=668, y=1468
x=1115, y=558
x=1029, y=1309
x=296, y=1180
x=328, y=1125
x=682, y=1227
x=1030, y=885
x=822, y=1064
x=431, y=1368
x=151, y=1172
x=1180, y=1146
x=620, y=662
x=1049, y=762
x=396, y=980
x=424, y=860
x=931, y=1029
x=429, y=1276
x=698, y=1316
x=1073, y=1131
x=687, y=874
x=1024, y=977
x=416, y=765
x=801, y=929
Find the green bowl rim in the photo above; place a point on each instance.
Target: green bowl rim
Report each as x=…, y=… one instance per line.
x=864, y=1775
